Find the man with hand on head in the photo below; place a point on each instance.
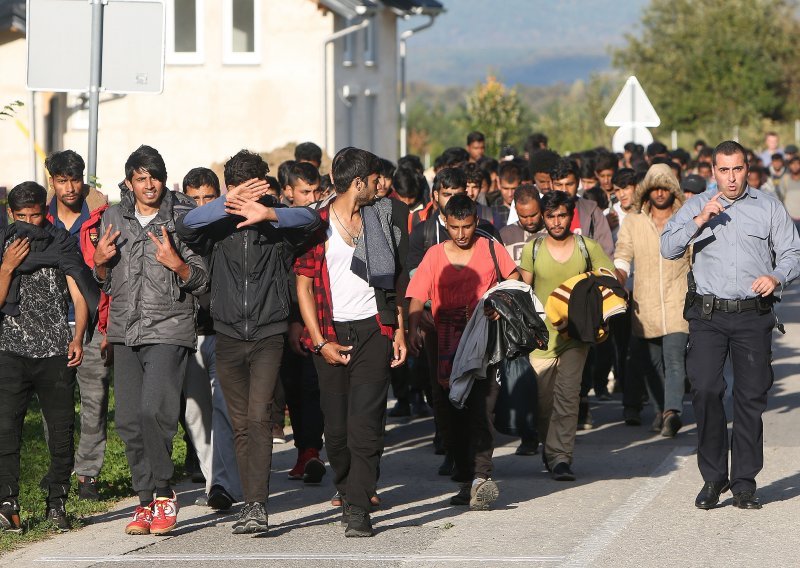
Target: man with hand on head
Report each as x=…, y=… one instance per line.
x=746, y=248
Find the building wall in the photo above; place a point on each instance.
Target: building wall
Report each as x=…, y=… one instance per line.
x=15, y=154
x=371, y=121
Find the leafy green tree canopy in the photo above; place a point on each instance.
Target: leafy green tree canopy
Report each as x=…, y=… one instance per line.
x=716, y=63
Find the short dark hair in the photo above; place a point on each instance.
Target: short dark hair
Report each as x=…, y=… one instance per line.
x=197, y=177
x=597, y=195
x=526, y=193
x=703, y=165
x=475, y=136
x=245, y=165
x=27, y=194
x=411, y=161
x=477, y=175
x=663, y=160
x=283, y=172
x=542, y=161
x=727, y=148
x=606, y=161
x=681, y=155
x=387, y=168
x=308, y=151
x=563, y=168
x=65, y=163
x=275, y=184
x=624, y=177
x=301, y=171
x=509, y=171
x=555, y=199
x=705, y=152
x=535, y=141
x=408, y=183
x=776, y=156
x=454, y=156
x=146, y=158
x=351, y=163
x=489, y=165
x=450, y=178
x=656, y=148
x=460, y=207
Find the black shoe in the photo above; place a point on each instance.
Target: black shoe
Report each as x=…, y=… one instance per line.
x=585, y=421
x=746, y=500
x=672, y=423
x=632, y=416
x=401, y=409
x=527, y=448
x=252, y=519
x=438, y=445
x=562, y=472
x=658, y=423
x=87, y=489
x=358, y=522
x=448, y=465
x=57, y=515
x=9, y=516
x=219, y=499
x=313, y=471
x=462, y=497
x=709, y=494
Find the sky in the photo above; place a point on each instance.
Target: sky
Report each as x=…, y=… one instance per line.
x=531, y=42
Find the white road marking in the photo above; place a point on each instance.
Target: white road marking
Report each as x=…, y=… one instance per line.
x=152, y=558
x=593, y=546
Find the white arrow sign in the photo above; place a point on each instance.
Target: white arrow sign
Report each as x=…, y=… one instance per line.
x=632, y=107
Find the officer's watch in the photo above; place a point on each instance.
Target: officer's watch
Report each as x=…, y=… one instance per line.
x=318, y=348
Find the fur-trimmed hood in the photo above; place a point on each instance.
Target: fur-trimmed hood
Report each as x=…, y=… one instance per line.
x=659, y=175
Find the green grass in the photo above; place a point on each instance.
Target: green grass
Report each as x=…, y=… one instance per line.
x=114, y=481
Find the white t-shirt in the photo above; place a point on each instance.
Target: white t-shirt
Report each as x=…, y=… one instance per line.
x=143, y=219
x=352, y=298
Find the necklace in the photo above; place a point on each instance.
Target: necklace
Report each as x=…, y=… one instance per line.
x=353, y=237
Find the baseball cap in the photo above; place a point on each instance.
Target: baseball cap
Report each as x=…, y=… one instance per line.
x=693, y=183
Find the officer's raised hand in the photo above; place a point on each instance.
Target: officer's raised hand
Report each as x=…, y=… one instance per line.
x=712, y=208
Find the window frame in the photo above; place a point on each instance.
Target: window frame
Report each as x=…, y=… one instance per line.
x=230, y=57
x=196, y=57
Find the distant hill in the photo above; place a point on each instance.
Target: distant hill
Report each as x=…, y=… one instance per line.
x=530, y=42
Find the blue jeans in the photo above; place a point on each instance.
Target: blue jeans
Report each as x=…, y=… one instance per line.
x=668, y=365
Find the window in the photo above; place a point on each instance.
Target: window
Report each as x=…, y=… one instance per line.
x=241, y=34
x=184, y=32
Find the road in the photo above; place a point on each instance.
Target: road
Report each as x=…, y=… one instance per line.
x=632, y=505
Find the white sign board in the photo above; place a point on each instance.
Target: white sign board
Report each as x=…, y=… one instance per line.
x=625, y=134
x=133, y=45
x=632, y=107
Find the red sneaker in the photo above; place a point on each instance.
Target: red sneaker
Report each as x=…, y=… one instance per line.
x=299, y=467
x=142, y=518
x=165, y=514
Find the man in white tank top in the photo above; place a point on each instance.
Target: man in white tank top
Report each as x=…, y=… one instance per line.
x=354, y=327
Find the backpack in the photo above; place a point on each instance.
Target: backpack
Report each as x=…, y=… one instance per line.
x=537, y=244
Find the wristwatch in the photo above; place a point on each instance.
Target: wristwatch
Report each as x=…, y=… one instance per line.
x=318, y=348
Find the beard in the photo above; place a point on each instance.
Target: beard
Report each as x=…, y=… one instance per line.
x=666, y=205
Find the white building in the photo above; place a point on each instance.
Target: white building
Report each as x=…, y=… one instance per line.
x=239, y=74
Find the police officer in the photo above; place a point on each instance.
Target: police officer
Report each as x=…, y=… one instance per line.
x=745, y=247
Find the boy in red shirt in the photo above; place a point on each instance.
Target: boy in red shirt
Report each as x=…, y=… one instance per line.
x=454, y=275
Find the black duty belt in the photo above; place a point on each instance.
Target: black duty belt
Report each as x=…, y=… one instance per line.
x=711, y=303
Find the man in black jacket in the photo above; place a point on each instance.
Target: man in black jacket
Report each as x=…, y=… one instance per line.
x=252, y=241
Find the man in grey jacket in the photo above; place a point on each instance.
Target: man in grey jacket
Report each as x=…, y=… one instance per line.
x=150, y=275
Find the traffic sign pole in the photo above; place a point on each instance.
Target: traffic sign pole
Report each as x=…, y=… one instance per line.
x=94, y=86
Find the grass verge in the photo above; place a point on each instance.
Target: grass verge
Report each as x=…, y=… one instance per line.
x=114, y=481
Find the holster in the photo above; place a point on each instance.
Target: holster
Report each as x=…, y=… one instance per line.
x=707, y=307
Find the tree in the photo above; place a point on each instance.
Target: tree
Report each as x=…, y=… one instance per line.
x=497, y=112
x=718, y=63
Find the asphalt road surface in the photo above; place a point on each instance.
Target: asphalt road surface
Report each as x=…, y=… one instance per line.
x=632, y=505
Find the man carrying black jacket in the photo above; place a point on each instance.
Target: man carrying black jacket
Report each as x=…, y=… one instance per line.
x=252, y=241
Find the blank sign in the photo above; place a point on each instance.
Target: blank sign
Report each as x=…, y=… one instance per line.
x=59, y=46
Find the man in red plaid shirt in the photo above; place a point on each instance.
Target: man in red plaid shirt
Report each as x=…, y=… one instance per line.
x=348, y=282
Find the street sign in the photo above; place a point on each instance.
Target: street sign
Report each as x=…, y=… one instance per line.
x=632, y=107
x=625, y=134
x=59, y=39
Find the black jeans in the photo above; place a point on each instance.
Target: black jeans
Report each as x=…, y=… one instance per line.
x=472, y=433
x=301, y=386
x=147, y=389
x=248, y=373
x=354, y=407
x=54, y=385
x=747, y=337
